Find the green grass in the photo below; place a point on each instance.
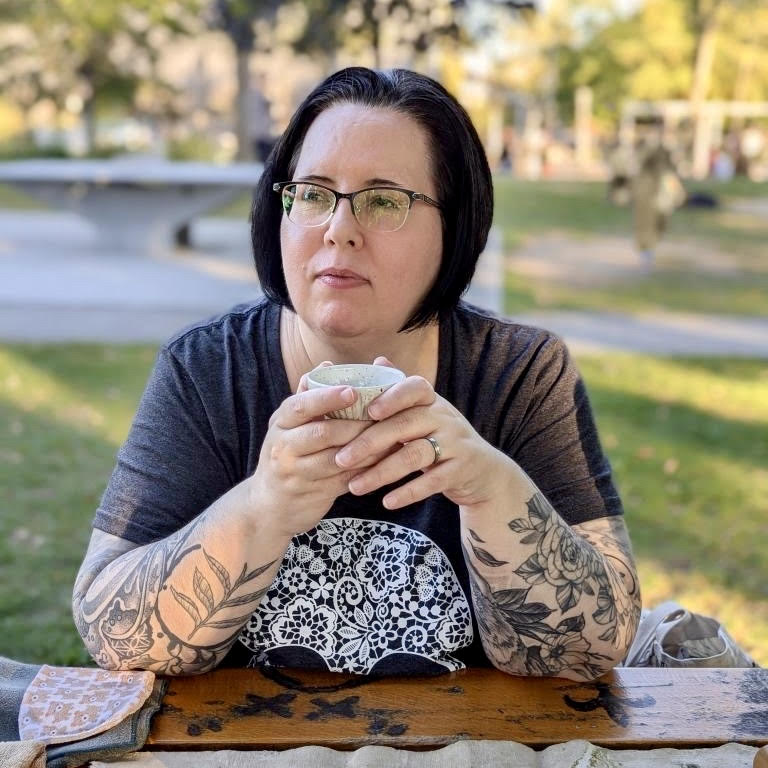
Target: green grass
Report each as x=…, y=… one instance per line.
x=686, y=438
x=63, y=413
x=708, y=261
x=14, y=200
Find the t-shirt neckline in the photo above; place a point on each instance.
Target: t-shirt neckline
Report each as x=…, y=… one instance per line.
x=282, y=387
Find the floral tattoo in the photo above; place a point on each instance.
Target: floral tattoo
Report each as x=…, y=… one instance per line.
x=529, y=637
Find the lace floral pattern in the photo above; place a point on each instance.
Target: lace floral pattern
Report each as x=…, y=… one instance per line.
x=356, y=591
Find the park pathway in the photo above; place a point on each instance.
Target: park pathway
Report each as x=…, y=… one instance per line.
x=58, y=285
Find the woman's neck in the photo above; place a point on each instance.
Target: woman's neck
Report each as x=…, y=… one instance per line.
x=415, y=352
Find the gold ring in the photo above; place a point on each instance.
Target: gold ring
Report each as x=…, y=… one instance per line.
x=436, y=448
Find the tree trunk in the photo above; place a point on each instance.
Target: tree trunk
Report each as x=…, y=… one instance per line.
x=89, y=121
x=244, y=148
x=702, y=79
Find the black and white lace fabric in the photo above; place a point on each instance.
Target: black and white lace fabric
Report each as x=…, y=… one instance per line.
x=357, y=591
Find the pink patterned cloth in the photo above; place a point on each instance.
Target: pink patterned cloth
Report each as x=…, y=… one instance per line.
x=66, y=704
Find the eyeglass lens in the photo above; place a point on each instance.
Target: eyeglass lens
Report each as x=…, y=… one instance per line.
x=310, y=205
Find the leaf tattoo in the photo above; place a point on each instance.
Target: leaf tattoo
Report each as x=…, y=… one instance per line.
x=204, y=593
x=203, y=590
x=219, y=570
x=486, y=557
x=187, y=605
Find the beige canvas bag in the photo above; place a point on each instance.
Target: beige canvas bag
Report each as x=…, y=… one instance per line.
x=671, y=636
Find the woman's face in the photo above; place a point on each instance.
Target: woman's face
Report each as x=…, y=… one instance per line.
x=346, y=281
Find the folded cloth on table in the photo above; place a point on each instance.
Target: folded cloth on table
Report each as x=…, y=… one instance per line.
x=66, y=704
x=22, y=754
x=85, y=730
x=461, y=754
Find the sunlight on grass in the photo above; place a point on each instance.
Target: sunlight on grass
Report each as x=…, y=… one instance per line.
x=31, y=389
x=63, y=412
x=733, y=389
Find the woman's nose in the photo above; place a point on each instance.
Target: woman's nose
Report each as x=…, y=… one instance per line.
x=343, y=229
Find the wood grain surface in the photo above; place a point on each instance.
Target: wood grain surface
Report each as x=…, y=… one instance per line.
x=628, y=708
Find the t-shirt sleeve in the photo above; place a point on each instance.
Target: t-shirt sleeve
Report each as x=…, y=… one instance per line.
x=169, y=469
x=556, y=442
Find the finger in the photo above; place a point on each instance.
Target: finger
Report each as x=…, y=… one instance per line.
x=381, y=360
x=413, y=456
x=322, y=466
x=382, y=436
x=303, y=383
x=431, y=482
x=320, y=434
x=415, y=390
x=306, y=406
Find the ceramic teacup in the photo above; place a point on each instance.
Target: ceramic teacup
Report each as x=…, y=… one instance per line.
x=369, y=381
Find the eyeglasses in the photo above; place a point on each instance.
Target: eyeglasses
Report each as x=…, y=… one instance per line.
x=381, y=209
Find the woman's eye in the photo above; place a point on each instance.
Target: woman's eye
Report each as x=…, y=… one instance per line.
x=382, y=201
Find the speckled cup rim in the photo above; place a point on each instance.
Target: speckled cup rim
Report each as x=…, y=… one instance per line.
x=355, y=375
x=369, y=381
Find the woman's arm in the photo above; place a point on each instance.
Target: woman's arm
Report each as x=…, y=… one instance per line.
x=550, y=599
x=176, y=606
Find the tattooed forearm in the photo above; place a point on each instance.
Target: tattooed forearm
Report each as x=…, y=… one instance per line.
x=566, y=604
x=174, y=606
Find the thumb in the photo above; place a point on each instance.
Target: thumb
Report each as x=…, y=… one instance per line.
x=381, y=360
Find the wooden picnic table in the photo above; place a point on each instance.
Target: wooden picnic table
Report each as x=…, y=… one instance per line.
x=627, y=708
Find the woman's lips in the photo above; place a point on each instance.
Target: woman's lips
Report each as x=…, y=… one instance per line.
x=341, y=278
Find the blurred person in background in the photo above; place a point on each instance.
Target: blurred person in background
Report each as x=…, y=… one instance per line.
x=656, y=193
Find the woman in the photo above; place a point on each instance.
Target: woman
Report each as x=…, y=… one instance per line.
x=472, y=521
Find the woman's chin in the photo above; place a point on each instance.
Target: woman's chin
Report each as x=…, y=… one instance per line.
x=344, y=324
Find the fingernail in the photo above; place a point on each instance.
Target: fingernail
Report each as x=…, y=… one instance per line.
x=342, y=457
x=348, y=395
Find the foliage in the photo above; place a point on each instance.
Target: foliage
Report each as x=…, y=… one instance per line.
x=71, y=51
x=653, y=53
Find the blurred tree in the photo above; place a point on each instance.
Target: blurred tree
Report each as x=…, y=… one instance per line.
x=367, y=30
x=237, y=18
x=83, y=54
x=391, y=30
x=671, y=49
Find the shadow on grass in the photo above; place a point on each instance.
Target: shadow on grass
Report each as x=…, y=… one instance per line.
x=527, y=208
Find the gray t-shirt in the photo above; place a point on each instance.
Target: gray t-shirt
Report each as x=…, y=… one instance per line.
x=380, y=591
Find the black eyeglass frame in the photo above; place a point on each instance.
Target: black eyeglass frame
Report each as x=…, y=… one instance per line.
x=279, y=186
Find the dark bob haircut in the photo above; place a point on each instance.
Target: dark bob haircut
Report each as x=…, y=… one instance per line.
x=459, y=167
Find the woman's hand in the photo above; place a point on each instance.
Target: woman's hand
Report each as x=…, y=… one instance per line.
x=470, y=471
x=297, y=478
